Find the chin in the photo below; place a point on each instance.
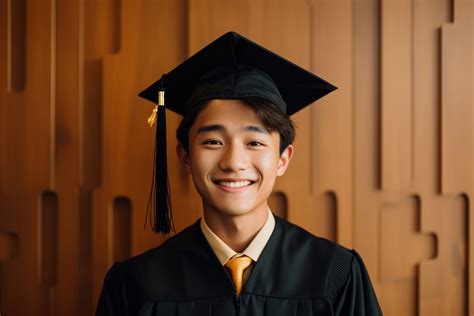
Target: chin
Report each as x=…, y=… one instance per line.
x=229, y=209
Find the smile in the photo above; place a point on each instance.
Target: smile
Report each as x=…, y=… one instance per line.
x=233, y=185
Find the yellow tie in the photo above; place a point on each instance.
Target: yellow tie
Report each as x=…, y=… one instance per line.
x=237, y=267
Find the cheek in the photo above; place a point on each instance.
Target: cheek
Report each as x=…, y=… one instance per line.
x=202, y=162
x=267, y=165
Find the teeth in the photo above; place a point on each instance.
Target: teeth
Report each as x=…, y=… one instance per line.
x=234, y=184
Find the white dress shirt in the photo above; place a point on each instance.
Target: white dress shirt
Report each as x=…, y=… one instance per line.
x=224, y=253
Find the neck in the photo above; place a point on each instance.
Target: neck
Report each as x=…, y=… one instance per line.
x=237, y=231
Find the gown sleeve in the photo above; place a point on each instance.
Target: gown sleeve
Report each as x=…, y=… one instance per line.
x=121, y=294
x=357, y=297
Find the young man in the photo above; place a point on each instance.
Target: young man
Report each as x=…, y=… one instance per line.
x=238, y=259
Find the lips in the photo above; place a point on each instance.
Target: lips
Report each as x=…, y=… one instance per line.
x=233, y=185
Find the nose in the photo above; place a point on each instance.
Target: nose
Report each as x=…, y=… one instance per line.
x=234, y=158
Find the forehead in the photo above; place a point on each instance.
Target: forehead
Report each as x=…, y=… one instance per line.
x=220, y=111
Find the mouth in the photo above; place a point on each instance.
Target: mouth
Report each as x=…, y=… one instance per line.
x=233, y=185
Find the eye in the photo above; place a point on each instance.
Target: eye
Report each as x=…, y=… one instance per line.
x=212, y=142
x=256, y=143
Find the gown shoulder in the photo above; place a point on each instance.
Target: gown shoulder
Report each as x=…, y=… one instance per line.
x=297, y=272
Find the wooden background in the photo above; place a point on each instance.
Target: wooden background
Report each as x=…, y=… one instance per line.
x=383, y=165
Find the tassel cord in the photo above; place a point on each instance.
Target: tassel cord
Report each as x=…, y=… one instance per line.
x=163, y=218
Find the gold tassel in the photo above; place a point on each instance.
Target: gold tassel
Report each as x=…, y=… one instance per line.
x=152, y=118
x=161, y=102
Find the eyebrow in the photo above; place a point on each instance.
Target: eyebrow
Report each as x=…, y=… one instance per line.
x=221, y=128
x=258, y=129
x=210, y=128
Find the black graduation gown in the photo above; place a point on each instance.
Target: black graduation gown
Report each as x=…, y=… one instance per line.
x=297, y=274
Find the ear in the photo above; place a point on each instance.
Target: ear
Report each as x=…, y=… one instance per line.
x=284, y=160
x=183, y=158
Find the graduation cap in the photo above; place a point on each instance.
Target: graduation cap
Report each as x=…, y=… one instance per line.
x=231, y=67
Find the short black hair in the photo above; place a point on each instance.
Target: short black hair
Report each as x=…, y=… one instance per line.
x=272, y=117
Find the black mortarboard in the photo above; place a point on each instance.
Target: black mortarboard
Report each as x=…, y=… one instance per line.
x=231, y=67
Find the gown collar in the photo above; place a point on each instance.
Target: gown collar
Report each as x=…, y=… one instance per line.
x=224, y=253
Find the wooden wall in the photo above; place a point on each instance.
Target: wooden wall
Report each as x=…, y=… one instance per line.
x=383, y=165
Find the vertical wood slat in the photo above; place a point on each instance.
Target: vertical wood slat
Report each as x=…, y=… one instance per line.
x=100, y=34
x=456, y=109
x=366, y=118
x=32, y=157
x=366, y=161
x=3, y=111
x=75, y=211
x=428, y=19
x=122, y=228
x=457, y=102
x=469, y=196
x=328, y=217
x=403, y=245
x=331, y=117
x=396, y=94
x=52, y=93
x=84, y=252
x=443, y=281
x=9, y=246
x=115, y=25
x=9, y=249
x=48, y=239
x=459, y=261
x=16, y=46
x=27, y=135
x=152, y=41
x=1, y=289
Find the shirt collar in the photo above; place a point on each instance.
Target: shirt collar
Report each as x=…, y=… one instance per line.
x=253, y=250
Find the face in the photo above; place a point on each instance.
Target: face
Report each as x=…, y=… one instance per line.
x=233, y=159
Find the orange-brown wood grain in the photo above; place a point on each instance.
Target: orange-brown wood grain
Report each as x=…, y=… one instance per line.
x=331, y=121
x=396, y=54
x=152, y=40
x=383, y=165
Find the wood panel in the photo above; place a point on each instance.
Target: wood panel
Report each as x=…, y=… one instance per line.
x=121, y=229
x=456, y=97
x=98, y=36
x=436, y=297
x=331, y=121
x=28, y=153
x=384, y=164
x=16, y=50
x=48, y=239
x=443, y=280
x=412, y=268
x=9, y=246
x=396, y=54
x=152, y=40
x=68, y=157
x=367, y=138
